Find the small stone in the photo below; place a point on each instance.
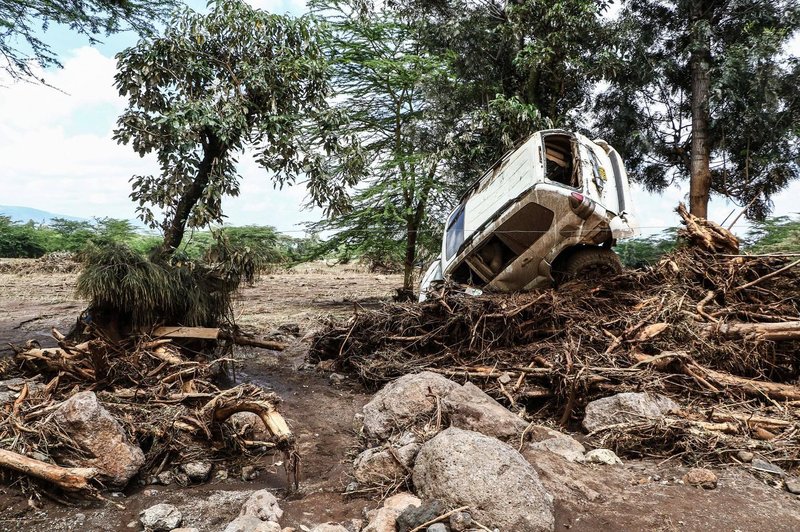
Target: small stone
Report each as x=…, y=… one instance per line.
x=460, y=521
x=603, y=456
x=165, y=478
x=505, y=378
x=745, y=456
x=353, y=486
x=437, y=527
x=698, y=476
x=336, y=378
x=766, y=467
x=251, y=523
x=221, y=474
x=401, y=501
x=793, y=485
x=263, y=505
x=191, y=529
x=161, y=517
x=197, y=471
x=250, y=473
x=329, y=527
x=414, y=516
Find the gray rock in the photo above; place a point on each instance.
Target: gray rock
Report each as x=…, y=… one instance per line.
x=793, y=485
x=191, y=529
x=165, y=478
x=250, y=473
x=766, y=467
x=745, y=456
x=403, y=401
x=197, y=471
x=547, y=439
x=160, y=517
x=263, y=505
x=10, y=388
x=460, y=521
x=470, y=408
x=386, y=464
x=251, y=523
x=414, y=516
x=96, y=431
x=466, y=468
x=336, y=378
x=438, y=527
x=626, y=408
x=602, y=456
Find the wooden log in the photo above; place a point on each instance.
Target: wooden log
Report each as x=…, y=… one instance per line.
x=775, y=331
x=198, y=333
x=72, y=479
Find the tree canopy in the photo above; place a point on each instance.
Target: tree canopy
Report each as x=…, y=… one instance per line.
x=22, y=46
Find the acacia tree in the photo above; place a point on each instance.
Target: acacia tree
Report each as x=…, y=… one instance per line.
x=702, y=89
x=380, y=71
x=214, y=86
x=22, y=46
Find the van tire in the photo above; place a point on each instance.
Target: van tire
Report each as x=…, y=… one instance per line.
x=588, y=263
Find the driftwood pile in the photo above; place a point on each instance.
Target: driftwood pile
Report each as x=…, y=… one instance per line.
x=716, y=331
x=158, y=389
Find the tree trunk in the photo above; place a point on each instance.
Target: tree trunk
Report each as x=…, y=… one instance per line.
x=175, y=228
x=700, y=65
x=411, y=254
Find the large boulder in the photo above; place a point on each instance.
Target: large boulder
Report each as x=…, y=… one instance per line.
x=402, y=402
x=470, y=408
x=465, y=468
x=96, y=431
x=627, y=407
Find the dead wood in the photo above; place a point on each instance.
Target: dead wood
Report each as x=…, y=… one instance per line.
x=71, y=479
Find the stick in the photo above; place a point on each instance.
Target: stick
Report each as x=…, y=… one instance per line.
x=426, y=524
x=765, y=277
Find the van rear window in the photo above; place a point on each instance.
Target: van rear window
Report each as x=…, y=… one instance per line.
x=455, y=233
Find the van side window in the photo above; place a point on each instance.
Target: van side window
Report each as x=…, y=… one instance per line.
x=560, y=161
x=455, y=233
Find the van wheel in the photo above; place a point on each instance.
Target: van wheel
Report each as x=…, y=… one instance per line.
x=588, y=263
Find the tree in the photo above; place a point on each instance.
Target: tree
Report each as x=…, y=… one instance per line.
x=215, y=86
x=702, y=90
x=22, y=48
x=380, y=71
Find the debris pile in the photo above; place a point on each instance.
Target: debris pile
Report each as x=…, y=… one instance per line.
x=92, y=415
x=716, y=332
x=54, y=262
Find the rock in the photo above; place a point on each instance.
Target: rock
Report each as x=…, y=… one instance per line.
x=414, y=516
x=438, y=527
x=10, y=388
x=263, y=505
x=354, y=525
x=251, y=523
x=626, y=407
x=460, y=521
x=401, y=501
x=403, y=401
x=197, y=471
x=381, y=464
x=351, y=487
x=698, y=476
x=745, y=456
x=192, y=529
x=165, y=478
x=470, y=408
x=382, y=520
x=793, y=485
x=336, y=378
x=329, y=527
x=603, y=456
x=96, y=431
x=766, y=467
x=221, y=474
x=249, y=424
x=547, y=439
x=465, y=468
x=250, y=473
x=160, y=517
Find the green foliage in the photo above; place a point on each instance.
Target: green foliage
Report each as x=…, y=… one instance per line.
x=774, y=235
x=645, y=251
x=217, y=84
x=752, y=131
x=22, y=22
x=21, y=240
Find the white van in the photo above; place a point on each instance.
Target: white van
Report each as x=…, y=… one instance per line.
x=547, y=211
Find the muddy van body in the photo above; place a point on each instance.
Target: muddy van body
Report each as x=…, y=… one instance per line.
x=551, y=208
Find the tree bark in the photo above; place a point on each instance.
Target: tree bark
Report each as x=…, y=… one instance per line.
x=700, y=65
x=411, y=253
x=174, y=229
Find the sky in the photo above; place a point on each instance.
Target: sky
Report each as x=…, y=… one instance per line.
x=58, y=155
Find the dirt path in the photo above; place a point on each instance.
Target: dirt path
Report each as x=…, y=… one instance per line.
x=640, y=495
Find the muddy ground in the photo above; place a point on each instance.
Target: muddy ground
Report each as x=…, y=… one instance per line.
x=640, y=495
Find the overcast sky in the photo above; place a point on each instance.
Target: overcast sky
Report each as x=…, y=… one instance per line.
x=57, y=153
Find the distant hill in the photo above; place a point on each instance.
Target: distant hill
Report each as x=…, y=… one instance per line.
x=25, y=214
